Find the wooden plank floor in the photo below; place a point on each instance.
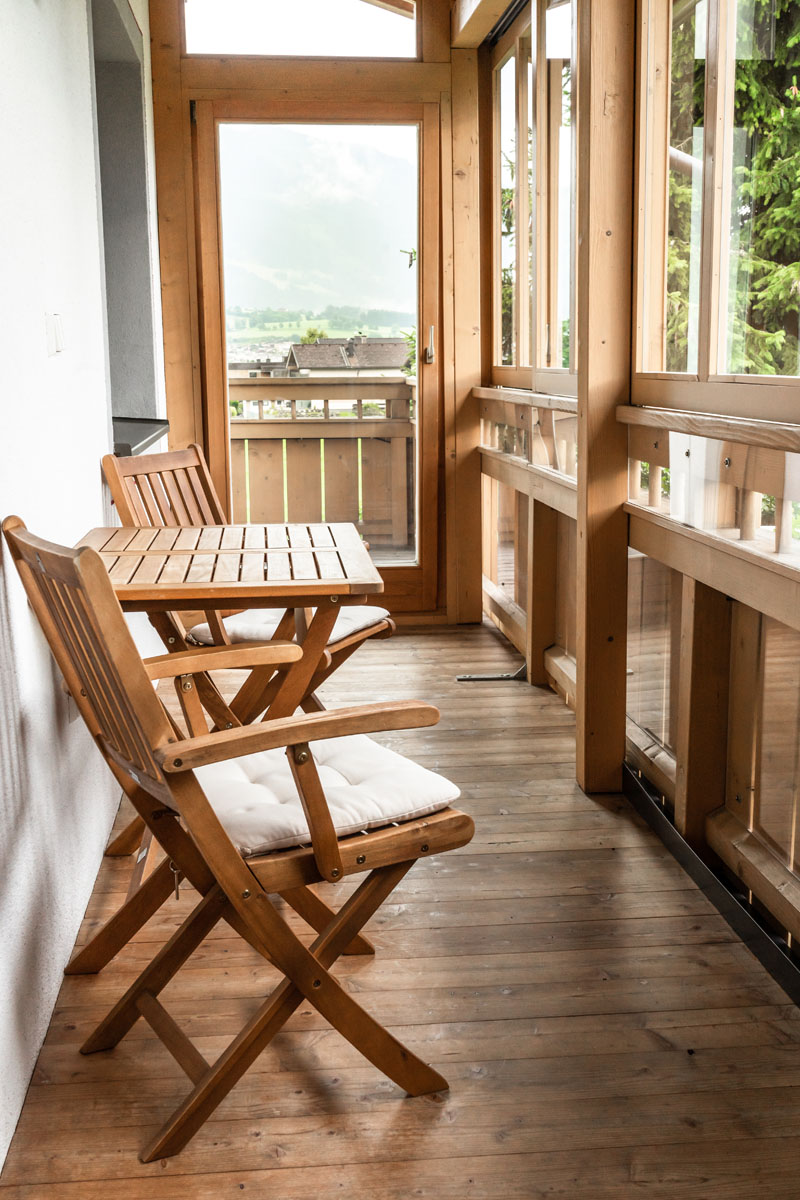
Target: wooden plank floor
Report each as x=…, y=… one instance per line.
x=604, y=1033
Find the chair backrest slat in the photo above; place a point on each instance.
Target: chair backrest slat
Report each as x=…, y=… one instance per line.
x=73, y=597
x=174, y=488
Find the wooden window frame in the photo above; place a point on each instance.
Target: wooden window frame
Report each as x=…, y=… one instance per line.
x=709, y=390
x=515, y=43
x=534, y=291
x=182, y=85
x=416, y=583
x=561, y=381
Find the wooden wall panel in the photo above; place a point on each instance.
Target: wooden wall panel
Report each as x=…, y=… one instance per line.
x=175, y=228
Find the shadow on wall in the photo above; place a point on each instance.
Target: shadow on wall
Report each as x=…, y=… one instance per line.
x=56, y=806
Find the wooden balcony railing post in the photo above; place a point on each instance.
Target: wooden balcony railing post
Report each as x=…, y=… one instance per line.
x=280, y=463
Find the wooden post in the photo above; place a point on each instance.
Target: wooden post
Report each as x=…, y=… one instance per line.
x=542, y=587
x=605, y=80
x=175, y=229
x=462, y=420
x=702, y=749
x=746, y=682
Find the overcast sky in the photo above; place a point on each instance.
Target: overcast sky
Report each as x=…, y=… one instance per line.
x=319, y=214
x=308, y=27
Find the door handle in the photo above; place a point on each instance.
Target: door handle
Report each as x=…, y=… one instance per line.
x=430, y=349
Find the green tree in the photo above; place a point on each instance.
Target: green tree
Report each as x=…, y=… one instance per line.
x=764, y=235
x=312, y=335
x=410, y=365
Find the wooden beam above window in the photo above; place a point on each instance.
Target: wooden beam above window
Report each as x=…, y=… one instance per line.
x=473, y=20
x=403, y=8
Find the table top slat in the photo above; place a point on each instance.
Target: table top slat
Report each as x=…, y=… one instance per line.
x=329, y=565
x=210, y=537
x=228, y=567
x=125, y=567
x=235, y=566
x=254, y=537
x=347, y=536
x=96, y=539
x=149, y=569
x=278, y=567
x=321, y=535
x=201, y=568
x=143, y=540
x=187, y=538
x=119, y=540
x=175, y=569
x=299, y=536
x=253, y=566
x=232, y=537
x=166, y=538
x=304, y=565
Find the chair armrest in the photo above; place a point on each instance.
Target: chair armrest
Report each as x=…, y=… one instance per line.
x=294, y=731
x=222, y=658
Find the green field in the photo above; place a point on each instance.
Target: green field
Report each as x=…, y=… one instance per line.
x=278, y=331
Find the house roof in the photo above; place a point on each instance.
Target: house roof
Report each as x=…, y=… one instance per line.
x=349, y=354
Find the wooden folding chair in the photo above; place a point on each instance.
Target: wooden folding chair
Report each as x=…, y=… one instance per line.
x=176, y=489
x=199, y=798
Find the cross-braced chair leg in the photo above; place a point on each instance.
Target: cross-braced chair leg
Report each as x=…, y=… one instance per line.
x=307, y=977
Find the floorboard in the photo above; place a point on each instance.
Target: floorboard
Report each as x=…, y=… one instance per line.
x=604, y=1032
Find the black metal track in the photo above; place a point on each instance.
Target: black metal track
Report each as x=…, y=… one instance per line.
x=771, y=950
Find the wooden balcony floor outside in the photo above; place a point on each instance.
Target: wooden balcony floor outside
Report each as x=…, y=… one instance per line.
x=604, y=1032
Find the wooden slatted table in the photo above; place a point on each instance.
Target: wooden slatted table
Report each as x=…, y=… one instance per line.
x=235, y=566
x=220, y=567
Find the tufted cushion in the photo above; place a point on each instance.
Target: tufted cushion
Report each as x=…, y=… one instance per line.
x=259, y=624
x=366, y=786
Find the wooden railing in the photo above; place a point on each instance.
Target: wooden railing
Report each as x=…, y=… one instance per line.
x=323, y=449
x=734, y=478
x=713, y=516
x=529, y=468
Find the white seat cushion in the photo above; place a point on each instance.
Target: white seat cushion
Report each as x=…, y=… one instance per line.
x=259, y=624
x=366, y=786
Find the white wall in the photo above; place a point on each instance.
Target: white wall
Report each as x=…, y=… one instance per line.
x=57, y=800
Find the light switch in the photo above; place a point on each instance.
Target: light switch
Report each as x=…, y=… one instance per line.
x=54, y=332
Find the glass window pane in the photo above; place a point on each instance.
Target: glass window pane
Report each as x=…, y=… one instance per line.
x=685, y=187
x=505, y=540
x=320, y=279
x=761, y=221
x=563, y=218
x=653, y=643
x=778, y=777
x=673, y=184
x=306, y=28
x=507, y=96
x=559, y=201
x=749, y=494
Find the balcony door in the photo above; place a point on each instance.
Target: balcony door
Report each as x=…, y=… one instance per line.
x=319, y=312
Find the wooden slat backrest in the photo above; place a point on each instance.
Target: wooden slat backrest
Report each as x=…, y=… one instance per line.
x=74, y=600
x=174, y=488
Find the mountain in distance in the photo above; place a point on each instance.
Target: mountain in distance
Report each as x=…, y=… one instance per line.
x=312, y=218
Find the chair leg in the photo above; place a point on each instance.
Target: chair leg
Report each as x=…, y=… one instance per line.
x=157, y=975
x=366, y=1034
x=126, y=922
x=316, y=913
x=127, y=840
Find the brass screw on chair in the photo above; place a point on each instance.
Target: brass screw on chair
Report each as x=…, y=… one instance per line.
x=301, y=756
x=362, y=858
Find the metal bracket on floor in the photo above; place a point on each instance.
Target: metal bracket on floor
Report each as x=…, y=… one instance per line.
x=520, y=673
